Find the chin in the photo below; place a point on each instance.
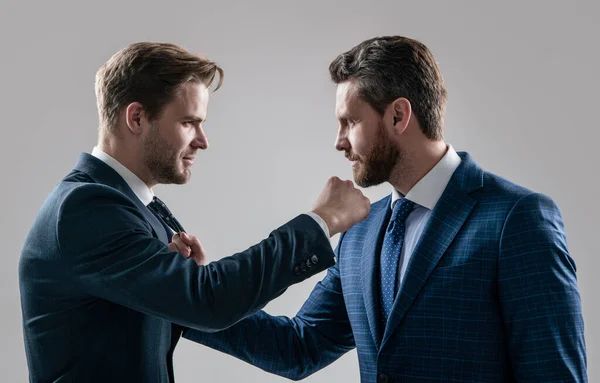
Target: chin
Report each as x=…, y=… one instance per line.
x=180, y=178
x=183, y=179
x=186, y=175
x=360, y=177
x=366, y=180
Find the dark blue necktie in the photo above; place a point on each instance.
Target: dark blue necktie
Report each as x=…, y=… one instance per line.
x=162, y=211
x=390, y=256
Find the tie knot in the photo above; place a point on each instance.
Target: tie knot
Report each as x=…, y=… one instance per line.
x=161, y=209
x=401, y=210
x=159, y=206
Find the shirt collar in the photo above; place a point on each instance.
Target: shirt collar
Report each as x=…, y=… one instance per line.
x=139, y=187
x=429, y=189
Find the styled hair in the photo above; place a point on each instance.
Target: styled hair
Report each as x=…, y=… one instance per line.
x=151, y=74
x=390, y=67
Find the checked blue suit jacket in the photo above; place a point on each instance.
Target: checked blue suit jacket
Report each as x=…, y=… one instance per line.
x=490, y=295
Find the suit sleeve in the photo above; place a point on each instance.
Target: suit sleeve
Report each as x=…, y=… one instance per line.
x=539, y=295
x=293, y=348
x=110, y=252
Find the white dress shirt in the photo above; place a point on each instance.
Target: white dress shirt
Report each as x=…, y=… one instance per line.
x=139, y=187
x=425, y=195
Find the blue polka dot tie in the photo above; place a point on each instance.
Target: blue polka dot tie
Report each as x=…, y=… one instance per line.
x=390, y=255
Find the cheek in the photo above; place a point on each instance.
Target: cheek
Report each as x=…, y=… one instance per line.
x=358, y=142
x=171, y=133
x=181, y=138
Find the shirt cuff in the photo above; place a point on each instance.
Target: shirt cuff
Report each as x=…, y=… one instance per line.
x=321, y=222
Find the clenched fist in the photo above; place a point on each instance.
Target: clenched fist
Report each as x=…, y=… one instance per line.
x=341, y=205
x=189, y=246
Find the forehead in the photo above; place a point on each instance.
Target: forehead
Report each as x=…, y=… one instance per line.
x=191, y=98
x=347, y=101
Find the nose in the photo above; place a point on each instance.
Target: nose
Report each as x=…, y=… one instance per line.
x=200, y=141
x=341, y=141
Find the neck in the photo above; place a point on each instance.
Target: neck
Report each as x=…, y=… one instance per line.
x=128, y=156
x=415, y=164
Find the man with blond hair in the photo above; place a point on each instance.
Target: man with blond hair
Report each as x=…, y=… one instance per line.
x=105, y=291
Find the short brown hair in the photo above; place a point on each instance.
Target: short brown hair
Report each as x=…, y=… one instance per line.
x=148, y=73
x=389, y=67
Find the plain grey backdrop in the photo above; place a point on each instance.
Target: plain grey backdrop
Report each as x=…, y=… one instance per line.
x=523, y=86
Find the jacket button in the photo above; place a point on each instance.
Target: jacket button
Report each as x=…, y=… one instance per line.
x=314, y=259
x=303, y=266
x=297, y=270
x=309, y=263
x=383, y=378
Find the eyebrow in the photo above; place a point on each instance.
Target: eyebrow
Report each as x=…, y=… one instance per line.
x=346, y=118
x=193, y=119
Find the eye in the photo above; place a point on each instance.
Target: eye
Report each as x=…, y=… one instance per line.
x=346, y=122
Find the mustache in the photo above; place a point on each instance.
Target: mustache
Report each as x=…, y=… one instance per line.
x=351, y=157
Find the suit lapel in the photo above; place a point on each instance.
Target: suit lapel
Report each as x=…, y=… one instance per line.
x=157, y=226
x=104, y=174
x=447, y=218
x=370, y=267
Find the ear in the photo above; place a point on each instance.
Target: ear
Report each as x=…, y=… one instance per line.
x=136, y=118
x=398, y=114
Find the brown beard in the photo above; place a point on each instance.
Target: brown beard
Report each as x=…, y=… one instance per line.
x=161, y=159
x=376, y=167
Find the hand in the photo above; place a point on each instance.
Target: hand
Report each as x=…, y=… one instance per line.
x=341, y=205
x=189, y=246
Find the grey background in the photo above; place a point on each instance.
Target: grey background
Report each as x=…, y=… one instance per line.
x=522, y=78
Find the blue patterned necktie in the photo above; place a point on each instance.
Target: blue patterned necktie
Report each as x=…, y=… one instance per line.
x=390, y=256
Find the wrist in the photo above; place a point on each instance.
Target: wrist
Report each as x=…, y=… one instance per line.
x=331, y=221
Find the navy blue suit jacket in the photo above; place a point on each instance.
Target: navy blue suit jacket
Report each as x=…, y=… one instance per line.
x=103, y=298
x=490, y=295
